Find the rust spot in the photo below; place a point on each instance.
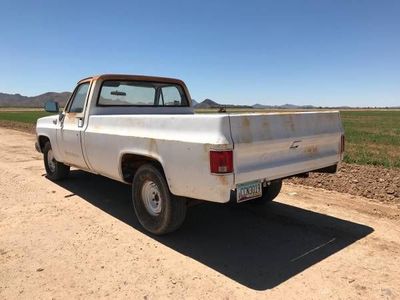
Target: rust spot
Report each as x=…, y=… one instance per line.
x=153, y=148
x=311, y=150
x=266, y=129
x=206, y=153
x=223, y=180
x=289, y=123
x=246, y=122
x=265, y=123
x=136, y=122
x=70, y=115
x=245, y=131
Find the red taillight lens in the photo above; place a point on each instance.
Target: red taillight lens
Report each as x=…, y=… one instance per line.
x=342, y=143
x=221, y=162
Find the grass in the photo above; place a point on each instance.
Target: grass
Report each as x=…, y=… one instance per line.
x=22, y=116
x=372, y=136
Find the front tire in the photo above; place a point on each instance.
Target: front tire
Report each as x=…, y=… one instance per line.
x=157, y=210
x=55, y=170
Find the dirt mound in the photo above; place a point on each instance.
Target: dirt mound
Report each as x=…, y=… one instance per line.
x=368, y=181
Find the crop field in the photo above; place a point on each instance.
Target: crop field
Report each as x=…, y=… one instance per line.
x=372, y=136
x=22, y=116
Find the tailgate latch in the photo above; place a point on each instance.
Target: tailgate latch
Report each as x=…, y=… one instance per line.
x=295, y=144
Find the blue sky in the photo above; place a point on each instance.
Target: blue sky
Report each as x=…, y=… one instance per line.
x=243, y=52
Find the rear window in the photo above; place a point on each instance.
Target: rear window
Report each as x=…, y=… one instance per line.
x=141, y=93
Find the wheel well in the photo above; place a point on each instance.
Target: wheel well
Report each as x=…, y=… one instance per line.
x=42, y=141
x=130, y=163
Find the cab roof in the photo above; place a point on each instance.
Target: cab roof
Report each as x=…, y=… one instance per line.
x=131, y=77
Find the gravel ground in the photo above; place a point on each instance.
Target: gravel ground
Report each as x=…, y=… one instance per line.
x=79, y=239
x=368, y=181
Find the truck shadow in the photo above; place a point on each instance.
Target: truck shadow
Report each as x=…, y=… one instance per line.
x=259, y=249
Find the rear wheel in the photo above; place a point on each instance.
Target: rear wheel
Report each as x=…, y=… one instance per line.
x=157, y=210
x=269, y=193
x=55, y=170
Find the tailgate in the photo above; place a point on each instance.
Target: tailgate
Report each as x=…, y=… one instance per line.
x=277, y=145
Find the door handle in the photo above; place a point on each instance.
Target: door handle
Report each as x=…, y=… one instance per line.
x=80, y=122
x=55, y=122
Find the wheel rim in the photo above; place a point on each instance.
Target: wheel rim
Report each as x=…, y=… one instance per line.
x=151, y=197
x=51, y=162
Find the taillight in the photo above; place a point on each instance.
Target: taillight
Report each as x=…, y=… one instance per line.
x=342, y=143
x=221, y=162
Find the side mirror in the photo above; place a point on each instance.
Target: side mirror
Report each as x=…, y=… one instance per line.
x=51, y=106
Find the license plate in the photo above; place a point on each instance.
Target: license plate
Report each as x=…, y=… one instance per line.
x=249, y=190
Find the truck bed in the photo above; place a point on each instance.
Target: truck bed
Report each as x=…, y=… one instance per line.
x=265, y=147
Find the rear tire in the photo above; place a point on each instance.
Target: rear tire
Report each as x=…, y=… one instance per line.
x=269, y=193
x=157, y=210
x=55, y=170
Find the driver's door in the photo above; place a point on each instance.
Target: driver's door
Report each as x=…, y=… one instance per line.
x=72, y=126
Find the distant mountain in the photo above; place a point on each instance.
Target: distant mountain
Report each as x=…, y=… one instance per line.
x=261, y=106
x=17, y=100
x=284, y=106
x=194, y=102
x=207, y=103
x=289, y=106
x=293, y=106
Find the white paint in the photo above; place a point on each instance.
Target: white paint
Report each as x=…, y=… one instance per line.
x=266, y=146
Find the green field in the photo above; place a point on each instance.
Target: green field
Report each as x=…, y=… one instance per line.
x=372, y=136
x=22, y=116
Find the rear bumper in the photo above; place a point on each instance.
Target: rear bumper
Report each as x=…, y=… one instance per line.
x=332, y=169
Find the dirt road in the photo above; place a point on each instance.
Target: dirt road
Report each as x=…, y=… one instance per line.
x=79, y=239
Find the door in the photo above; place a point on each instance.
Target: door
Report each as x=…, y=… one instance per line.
x=71, y=128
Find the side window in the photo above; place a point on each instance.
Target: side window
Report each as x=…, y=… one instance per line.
x=78, y=102
x=171, y=96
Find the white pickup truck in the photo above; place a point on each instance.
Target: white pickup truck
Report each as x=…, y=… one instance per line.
x=142, y=131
